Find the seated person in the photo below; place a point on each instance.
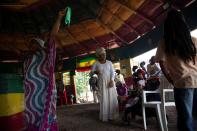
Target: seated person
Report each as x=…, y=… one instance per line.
x=121, y=89
x=153, y=70
x=134, y=97
x=142, y=64
x=134, y=69
x=120, y=84
x=134, y=103
x=119, y=77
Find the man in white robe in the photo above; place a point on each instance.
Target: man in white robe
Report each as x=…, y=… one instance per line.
x=106, y=74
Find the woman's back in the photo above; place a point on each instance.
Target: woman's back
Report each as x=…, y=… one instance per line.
x=184, y=74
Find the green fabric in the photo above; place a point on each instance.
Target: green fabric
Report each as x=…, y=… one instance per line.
x=68, y=15
x=87, y=59
x=11, y=83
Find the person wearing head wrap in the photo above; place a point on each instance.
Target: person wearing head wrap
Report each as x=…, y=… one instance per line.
x=108, y=95
x=39, y=82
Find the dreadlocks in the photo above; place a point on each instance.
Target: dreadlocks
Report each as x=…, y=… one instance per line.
x=177, y=37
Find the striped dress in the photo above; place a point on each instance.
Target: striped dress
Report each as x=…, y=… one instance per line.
x=40, y=91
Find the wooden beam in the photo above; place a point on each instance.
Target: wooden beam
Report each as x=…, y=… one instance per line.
x=13, y=5
x=73, y=38
x=62, y=47
x=71, y=35
x=106, y=27
x=88, y=34
x=133, y=10
x=110, y=30
x=11, y=46
x=118, y=18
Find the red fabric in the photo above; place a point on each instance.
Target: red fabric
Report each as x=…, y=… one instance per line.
x=121, y=102
x=82, y=69
x=129, y=81
x=12, y=123
x=65, y=97
x=61, y=98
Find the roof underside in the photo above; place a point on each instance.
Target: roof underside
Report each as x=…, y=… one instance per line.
x=95, y=23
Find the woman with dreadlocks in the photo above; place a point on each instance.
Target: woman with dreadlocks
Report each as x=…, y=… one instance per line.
x=177, y=57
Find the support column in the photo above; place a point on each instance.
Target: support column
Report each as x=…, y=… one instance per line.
x=125, y=67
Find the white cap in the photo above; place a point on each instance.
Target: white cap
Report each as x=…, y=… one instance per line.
x=100, y=51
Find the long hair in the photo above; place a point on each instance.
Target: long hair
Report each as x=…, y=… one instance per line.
x=177, y=37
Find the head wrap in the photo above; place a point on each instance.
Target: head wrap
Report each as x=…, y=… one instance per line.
x=100, y=51
x=39, y=41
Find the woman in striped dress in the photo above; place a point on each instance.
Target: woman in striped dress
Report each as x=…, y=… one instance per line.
x=39, y=83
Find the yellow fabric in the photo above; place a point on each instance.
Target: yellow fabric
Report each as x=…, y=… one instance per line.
x=11, y=103
x=86, y=64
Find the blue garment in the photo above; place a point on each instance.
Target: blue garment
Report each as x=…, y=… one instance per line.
x=184, y=98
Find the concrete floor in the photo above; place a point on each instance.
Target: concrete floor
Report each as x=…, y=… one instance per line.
x=85, y=118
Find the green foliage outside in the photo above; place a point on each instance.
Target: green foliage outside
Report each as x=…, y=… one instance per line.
x=82, y=83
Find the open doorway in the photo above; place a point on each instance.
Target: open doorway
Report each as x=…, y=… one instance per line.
x=83, y=93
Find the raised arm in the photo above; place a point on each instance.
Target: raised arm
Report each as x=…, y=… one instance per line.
x=56, y=26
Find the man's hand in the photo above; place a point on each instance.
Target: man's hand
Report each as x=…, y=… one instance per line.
x=111, y=84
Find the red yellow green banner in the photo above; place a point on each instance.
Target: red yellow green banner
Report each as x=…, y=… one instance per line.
x=86, y=62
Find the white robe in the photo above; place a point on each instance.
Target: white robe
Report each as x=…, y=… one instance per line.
x=108, y=98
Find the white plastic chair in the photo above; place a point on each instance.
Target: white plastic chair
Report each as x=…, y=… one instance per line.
x=165, y=104
x=153, y=104
x=166, y=94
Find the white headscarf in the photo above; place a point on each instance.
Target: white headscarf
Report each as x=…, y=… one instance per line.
x=100, y=51
x=39, y=41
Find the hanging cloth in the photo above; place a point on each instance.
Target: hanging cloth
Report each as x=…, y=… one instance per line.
x=68, y=15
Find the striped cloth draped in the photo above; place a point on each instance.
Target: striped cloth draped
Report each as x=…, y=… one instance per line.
x=40, y=91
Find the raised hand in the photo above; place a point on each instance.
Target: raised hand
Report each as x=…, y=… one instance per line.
x=61, y=13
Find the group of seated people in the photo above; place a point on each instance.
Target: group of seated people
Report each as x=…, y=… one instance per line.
x=142, y=80
x=131, y=91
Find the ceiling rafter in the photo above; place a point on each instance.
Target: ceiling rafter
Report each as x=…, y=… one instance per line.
x=59, y=41
x=106, y=27
x=18, y=50
x=118, y=18
x=133, y=10
x=12, y=47
x=110, y=30
x=66, y=30
x=88, y=34
x=21, y=5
